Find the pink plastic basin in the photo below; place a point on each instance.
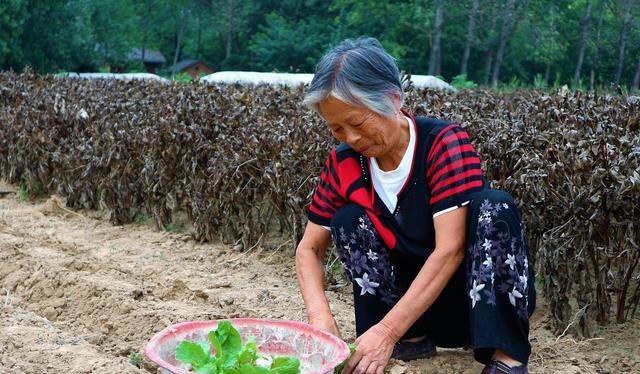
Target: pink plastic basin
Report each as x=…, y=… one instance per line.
x=318, y=351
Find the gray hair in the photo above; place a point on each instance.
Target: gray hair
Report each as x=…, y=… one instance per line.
x=359, y=72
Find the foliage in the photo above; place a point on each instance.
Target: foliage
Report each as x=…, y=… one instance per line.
x=538, y=82
x=234, y=159
x=171, y=227
x=290, y=35
x=230, y=355
x=109, y=21
x=142, y=218
x=23, y=194
x=513, y=85
x=181, y=78
x=281, y=37
x=29, y=190
x=462, y=83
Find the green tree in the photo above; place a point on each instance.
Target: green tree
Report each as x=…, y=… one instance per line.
x=13, y=15
x=288, y=31
x=55, y=36
x=115, y=29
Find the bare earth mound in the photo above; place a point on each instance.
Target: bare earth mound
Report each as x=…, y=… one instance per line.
x=78, y=295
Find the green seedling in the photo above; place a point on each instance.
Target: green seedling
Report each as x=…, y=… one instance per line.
x=114, y=249
x=338, y=369
x=135, y=359
x=231, y=356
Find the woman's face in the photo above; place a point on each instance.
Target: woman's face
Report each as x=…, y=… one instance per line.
x=364, y=130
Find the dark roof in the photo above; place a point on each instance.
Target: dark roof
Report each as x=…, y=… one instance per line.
x=185, y=64
x=150, y=56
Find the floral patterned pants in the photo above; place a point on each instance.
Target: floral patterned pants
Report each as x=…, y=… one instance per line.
x=488, y=300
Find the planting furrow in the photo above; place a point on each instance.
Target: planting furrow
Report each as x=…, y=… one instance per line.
x=25, y=334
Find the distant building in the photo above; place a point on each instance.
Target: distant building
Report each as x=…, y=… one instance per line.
x=152, y=61
x=195, y=68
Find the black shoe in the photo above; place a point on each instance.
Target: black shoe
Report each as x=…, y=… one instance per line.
x=407, y=351
x=499, y=367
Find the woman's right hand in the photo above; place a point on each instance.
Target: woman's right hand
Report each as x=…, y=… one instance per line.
x=326, y=323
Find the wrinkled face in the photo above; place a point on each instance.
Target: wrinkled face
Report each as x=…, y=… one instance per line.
x=364, y=130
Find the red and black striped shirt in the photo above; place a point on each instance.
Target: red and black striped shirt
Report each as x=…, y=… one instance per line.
x=445, y=172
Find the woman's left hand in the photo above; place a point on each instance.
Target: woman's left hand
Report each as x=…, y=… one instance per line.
x=373, y=350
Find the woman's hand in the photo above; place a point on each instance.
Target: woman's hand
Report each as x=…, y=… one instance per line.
x=373, y=350
x=326, y=323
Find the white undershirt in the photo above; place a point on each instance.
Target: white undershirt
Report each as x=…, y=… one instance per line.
x=389, y=183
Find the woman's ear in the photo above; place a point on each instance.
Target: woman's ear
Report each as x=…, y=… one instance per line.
x=397, y=101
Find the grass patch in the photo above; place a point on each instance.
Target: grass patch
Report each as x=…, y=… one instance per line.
x=29, y=191
x=142, y=218
x=23, y=194
x=170, y=227
x=461, y=82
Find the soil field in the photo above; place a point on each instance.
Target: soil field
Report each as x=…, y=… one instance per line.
x=78, y=295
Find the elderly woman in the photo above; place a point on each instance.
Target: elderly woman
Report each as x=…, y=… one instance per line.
x=435, y=256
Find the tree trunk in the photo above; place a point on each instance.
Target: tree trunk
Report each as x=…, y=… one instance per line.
x=183, y=19
x=622, y=41
x=145, y=26
x=230, y=16
x=470, y=36
x=507, y=22
x=199, y=38
x=595, y=55
x=586, y=22
x=435, y=56
x=636, y=78
x=547, y=73
x=148, y=8
x=488, y=62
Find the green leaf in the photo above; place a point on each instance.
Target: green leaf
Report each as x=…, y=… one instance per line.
x=229, y=338
x=215, y=343
x=209, y=368
x=206, y=347
x=250, y=352
x=338, y=369
x=227, y=361
x=192, y=353
x=231, y=357
x=260, y=370
x=285, y=365
x=248, y=369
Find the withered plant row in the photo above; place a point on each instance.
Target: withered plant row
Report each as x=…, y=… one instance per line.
x=235, y=159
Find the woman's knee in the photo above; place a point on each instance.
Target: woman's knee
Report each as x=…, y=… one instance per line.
x=494, y=197
x=347, y=216
x=499, y=203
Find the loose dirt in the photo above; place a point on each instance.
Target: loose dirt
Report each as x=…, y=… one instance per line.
x=78, y=295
